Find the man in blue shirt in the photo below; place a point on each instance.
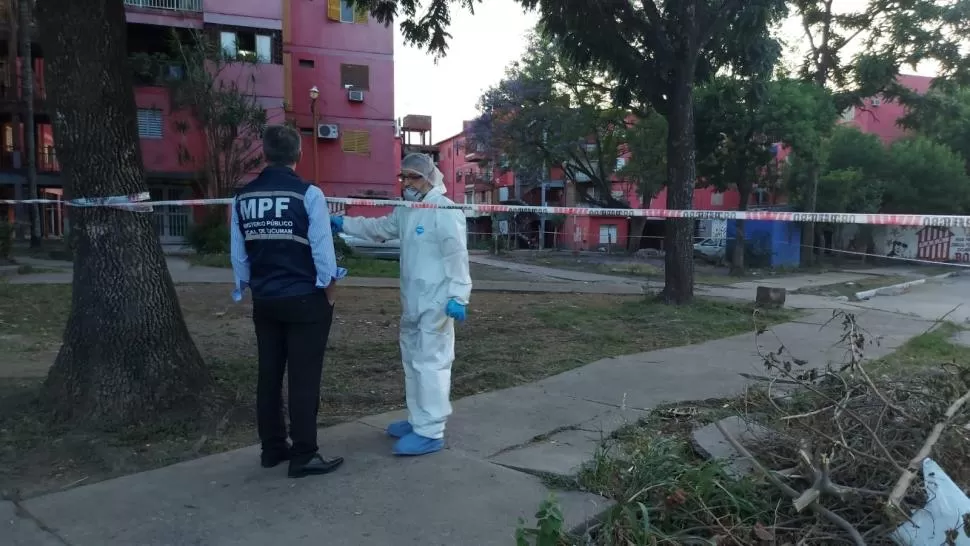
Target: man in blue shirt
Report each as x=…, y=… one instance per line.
x=282, y=250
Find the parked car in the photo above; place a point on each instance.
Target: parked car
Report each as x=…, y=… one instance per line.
x=710, y=250
x=387, y=250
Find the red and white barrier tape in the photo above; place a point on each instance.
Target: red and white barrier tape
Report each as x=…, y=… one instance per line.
x=141, y=203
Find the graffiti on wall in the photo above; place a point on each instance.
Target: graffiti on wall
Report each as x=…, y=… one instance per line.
x=930, y=243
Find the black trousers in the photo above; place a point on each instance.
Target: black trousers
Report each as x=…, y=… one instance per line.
x=291, y=333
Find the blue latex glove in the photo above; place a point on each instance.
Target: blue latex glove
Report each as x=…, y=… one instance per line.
x=336, y=224
x=455, y=310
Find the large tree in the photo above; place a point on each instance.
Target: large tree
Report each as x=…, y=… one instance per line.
x=127, y=355
x=741, y=122
x=223, y=105
x=852, y=167
x=547, y=113
x=859, y=52
x=655, y=52
x=943, y=115
x=925, y=177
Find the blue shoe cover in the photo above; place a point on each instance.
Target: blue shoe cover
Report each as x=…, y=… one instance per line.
x=415, y=444
x=399, y=429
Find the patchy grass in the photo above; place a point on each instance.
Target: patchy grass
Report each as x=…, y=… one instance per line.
x=849, y=289
x=650, y=270
x=508, y=340
x=925, y=351
x=358, y=266
x=666, y=494
x=50, y=249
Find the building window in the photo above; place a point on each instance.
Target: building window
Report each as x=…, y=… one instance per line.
x=469, y=198
x=717, y=199
x=356, y=76
x=306, y=63
x=503, y=194
x=608, y=234
x=338, y=10
x=247, y=45
x=149, y=123
x=356, y=142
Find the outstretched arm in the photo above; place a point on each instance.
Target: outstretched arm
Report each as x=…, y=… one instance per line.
x=373, y=229
x=453, y=242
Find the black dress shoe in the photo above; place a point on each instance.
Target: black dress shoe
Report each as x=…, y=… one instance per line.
x=315, y=466
x=270, y=459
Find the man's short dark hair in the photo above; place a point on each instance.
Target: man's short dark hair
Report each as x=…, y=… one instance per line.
x=281, y=145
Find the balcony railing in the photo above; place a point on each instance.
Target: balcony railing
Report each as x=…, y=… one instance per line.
x=170, y=5
x=46, y=160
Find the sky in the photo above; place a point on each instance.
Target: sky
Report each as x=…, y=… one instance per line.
x=481, y=47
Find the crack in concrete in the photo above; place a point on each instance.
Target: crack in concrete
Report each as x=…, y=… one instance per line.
x=21, y=512
x=534, y=440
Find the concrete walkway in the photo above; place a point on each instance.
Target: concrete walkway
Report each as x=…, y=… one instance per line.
x=471, y=493
x=562, y=274
x=183, y=272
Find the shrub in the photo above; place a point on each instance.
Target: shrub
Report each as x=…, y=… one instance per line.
x=341, y=248
x=211, y=236
x=6, y=240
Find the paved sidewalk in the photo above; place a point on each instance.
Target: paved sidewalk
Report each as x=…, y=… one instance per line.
x=468, y=494
x=563, y=274
x=213, y=275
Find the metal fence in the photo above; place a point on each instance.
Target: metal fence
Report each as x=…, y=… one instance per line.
x=172, y=5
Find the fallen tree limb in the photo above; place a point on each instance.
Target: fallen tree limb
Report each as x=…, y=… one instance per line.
x=913, y=468
x=787, y=490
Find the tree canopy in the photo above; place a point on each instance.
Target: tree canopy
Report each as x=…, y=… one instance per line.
x=859, y=174
x=740, y=125
x=926, y=177
x=741, y=122
x=547, y=112
x=852, y=174
x=227, y=109
x=943, y=115
x=654, y=52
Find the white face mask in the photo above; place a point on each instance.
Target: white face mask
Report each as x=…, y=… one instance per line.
x=411, y=194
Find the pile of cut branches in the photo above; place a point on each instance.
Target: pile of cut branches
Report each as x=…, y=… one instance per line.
x=849, y=445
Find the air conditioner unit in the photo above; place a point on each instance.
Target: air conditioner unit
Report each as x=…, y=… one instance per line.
x=355, y=96
x=327, y=131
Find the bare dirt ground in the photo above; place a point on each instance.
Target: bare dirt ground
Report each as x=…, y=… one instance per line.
x=508, y=340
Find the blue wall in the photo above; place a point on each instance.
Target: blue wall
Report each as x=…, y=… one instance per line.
x=768, y=243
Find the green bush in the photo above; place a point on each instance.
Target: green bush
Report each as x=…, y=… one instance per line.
x=211, y=236
x=6, y=240
x=341, y=249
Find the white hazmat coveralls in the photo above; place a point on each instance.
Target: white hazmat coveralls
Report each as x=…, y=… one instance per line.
x=434, y=269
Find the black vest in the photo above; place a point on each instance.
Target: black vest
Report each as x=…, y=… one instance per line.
x=274, y=221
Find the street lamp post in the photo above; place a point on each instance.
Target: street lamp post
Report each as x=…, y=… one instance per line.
x=314, y=95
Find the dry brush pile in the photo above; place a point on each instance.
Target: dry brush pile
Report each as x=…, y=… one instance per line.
x=848, y=444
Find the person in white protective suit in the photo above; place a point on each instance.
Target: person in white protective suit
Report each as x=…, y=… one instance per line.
x=435, y=289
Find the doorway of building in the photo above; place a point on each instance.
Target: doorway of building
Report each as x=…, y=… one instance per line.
x=171, y=221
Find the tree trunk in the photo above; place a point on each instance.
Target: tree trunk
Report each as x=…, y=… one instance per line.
x=808, y=228
x=681, y=177
x=637, y=225
x=30, y=137
x=127, y=355
x=737, y=259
